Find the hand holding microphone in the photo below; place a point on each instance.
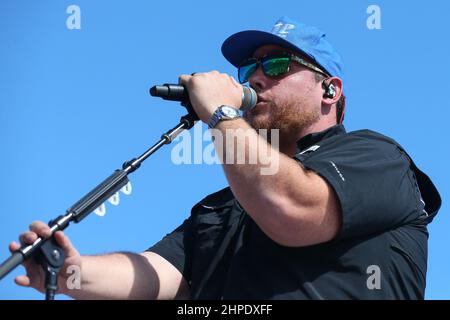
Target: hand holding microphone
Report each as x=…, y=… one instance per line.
x=206, y=92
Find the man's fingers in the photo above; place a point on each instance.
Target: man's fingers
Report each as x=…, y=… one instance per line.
x=28, y=237
x=13, y=246
x=183, y=79
x=65, y=243
x=23, y=281
x=233, y=80
x=40, y=228
x=37, y=229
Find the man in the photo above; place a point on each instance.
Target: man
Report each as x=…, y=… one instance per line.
x=345, y=215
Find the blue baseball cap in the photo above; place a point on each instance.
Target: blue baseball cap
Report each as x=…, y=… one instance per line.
x=289, y=34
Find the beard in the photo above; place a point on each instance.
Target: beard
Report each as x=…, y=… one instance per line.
x=289, y=118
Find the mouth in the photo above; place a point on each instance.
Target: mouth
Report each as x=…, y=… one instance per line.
x=261, y=106
x=261, y=99
x=260, y=103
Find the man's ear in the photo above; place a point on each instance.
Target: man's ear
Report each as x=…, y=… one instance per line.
x=332, y=90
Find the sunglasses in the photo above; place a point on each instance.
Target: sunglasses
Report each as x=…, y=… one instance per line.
x=273, y=65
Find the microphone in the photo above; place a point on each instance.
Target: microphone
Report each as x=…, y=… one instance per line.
x=177, y=92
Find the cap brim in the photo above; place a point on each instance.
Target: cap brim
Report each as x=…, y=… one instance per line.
x=242, y=45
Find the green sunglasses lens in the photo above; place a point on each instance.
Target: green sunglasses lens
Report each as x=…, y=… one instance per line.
x=273, y=67
x=246, y=71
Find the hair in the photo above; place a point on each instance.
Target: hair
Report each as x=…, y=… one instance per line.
x=340, y=104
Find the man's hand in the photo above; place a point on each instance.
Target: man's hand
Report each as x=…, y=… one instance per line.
x=35, y=276
x=208, y=91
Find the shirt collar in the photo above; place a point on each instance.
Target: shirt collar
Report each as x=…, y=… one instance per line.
x=312, y=138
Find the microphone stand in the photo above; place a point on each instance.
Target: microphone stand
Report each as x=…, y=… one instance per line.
x=46, y=251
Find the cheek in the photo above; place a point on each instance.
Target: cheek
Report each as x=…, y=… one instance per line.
x=306, y=91
x=284, y=95
x=297, y=85
x=281, y=94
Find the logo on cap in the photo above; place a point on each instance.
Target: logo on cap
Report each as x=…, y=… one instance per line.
x=282, y=29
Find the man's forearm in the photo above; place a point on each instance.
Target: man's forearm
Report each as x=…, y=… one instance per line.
x=115, y=276
x=290, y=204
x=262, y=195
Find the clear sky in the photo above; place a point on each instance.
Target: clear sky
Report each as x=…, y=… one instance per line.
x=74, y=105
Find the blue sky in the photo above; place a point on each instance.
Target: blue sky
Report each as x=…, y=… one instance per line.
x=74, y=105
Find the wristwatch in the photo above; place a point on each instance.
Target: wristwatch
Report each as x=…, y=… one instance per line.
x=223, y=113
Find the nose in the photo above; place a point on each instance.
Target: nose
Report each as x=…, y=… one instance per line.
x=258, y=80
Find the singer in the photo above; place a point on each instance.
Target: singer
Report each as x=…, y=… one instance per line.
x=344, y=217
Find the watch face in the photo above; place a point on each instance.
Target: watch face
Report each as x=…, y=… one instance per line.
x=228, y=111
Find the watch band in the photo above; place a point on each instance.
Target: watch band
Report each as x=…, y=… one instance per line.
x=219, y=115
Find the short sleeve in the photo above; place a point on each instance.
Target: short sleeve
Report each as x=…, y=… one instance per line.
x=174, y=248
x=373, y=182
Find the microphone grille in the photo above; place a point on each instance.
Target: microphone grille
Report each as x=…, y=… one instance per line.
x=249, y=98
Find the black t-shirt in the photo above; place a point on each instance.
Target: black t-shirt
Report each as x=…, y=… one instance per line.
x=379, y=253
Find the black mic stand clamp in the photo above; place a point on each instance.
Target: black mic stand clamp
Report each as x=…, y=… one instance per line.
x=51, y=257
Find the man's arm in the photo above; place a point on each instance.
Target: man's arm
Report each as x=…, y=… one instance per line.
x=129, y=276
x=112, y=276
x=293, y=206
